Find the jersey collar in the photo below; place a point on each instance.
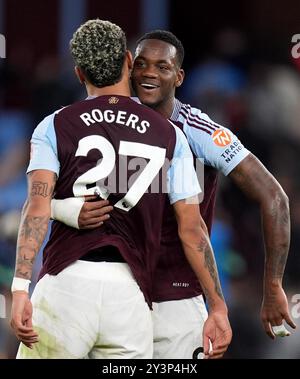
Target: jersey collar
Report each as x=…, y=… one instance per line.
x=176, y=110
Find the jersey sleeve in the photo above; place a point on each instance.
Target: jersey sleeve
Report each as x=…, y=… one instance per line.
x=182, y=177
x=217, y=145
x=44, y=147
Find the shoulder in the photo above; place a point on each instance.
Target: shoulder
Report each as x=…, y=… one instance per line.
x=159, y=122
x=194, y=118
x=46, y=124
x=216, y=144
x=201, y=129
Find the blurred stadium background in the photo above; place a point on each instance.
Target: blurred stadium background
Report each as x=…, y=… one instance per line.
x=240, y=71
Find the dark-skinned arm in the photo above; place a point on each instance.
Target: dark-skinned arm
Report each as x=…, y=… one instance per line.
x=196, y=244
x=90, y=214
x=259, y=185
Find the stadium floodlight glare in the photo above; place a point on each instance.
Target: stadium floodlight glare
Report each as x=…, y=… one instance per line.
x=2, y=46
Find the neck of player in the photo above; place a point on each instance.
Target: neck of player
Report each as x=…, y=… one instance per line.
x=122, y=89
x=165, y=108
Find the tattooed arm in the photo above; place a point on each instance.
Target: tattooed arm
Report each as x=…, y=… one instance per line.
x=32, y=231
x=258, y=184
x=196, y=244
x=34, y=221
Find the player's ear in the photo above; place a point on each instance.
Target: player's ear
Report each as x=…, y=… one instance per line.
x=180, y=77
x=129, y=60
x=79, y=75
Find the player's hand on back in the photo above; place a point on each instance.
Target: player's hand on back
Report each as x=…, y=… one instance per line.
x=217, y=330
x=275, y=311
x=94, y=213
x=21, y=319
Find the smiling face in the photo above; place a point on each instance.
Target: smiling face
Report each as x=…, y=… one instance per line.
x=156, y=75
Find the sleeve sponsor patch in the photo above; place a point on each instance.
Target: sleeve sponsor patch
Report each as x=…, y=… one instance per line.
x=222, y=138
x=232, y=151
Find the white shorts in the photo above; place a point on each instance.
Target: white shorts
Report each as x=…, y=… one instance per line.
x=178, y=326
x=90, y=309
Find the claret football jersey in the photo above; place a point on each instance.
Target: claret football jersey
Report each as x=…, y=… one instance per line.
x=219, y=150
x=115, y=147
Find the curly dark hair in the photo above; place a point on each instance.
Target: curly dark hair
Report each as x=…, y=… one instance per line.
x=99, y=47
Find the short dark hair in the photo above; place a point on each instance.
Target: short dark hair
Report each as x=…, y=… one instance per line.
x=99, y=48
x=168, y=37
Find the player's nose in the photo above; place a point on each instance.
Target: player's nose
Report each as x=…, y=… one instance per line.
x=149, y=72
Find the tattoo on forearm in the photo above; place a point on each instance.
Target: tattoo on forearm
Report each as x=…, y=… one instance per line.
x=281, y=262
x=31, y=236
x=277, y=232
x=285, y=218
x=34, y=228
x=258, y=184
x=39, y=189
x=277, y=263
x=208, y=298
x=205, y=248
